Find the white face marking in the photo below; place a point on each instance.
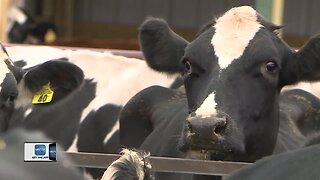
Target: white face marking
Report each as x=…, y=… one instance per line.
x=233, y=32
x=208, y=107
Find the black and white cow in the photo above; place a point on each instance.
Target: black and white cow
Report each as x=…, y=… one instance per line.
x=55, y=118
x=233, y=110
x=118, y=78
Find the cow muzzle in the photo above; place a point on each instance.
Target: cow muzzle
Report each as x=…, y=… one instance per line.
x=204, y=133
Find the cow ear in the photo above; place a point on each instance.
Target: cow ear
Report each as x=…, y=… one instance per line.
x=58, y=76
x=161, y=47
x=303, y=65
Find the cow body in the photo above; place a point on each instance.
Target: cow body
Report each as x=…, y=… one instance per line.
x=20, y=86
x=116, y=78
x=233, y=110
x=298, y=164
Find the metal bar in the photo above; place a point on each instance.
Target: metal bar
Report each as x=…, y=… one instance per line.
x=160, y=164
x=277, y=13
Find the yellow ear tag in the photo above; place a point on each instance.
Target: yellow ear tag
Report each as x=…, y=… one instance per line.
x=45, y=95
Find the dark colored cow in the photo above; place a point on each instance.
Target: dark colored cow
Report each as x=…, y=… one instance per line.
x=233, y=110
x=55, y=118
x=13, y=167
x=94, y=129
x=295, y=165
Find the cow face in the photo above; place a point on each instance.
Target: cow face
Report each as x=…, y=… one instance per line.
x=234, y=71
x=18, y=87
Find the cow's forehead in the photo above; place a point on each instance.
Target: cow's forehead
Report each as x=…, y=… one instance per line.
x=233, y=32
x=3, y=66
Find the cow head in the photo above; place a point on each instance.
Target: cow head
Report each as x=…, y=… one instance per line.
x=233, y=73
x=18, y=86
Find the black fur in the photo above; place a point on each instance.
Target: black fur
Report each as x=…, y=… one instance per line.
x=156, y=30
x=94, y=129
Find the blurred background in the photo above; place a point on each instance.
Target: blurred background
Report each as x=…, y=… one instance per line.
x=113, y=24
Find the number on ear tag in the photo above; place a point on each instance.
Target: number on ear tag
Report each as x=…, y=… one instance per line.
x=45, y=95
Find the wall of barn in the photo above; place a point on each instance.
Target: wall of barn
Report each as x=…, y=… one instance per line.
x=192, y=14
x=99, y=20
x=301, y=20
x=118, y=20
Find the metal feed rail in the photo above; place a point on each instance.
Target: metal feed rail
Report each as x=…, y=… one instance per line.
x=160, y=164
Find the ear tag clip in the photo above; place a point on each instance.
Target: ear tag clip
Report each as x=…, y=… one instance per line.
x=43, y=96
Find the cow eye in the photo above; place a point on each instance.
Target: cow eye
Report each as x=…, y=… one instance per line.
x=187, y=67
x=271, y=66
x=12, y=96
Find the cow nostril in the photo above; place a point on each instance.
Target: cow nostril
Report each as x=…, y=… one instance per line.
x=220, y=128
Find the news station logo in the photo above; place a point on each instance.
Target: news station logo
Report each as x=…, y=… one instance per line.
x=44, y=151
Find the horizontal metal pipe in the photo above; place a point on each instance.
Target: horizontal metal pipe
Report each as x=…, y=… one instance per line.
x=160, y=164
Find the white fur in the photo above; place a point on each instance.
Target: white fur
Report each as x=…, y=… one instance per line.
x=233, y=32
x=24, y=98
x=118, y=77
x=17, y=15
x=34, y=55
x=27, y=112
x=208, y=107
